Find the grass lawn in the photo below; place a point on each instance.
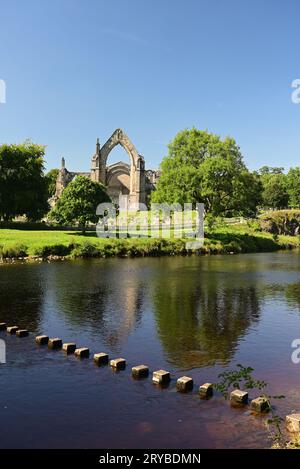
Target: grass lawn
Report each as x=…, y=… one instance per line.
x=233, y=238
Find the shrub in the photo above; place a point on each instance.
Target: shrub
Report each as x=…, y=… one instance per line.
x=281, y=222
x=86, y=249
x=15, y=250
x=53, y=250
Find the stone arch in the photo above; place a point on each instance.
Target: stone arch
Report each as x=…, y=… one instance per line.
x=118, y=181
x=120, y=138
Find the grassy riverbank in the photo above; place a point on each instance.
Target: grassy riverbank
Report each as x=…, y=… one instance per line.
x=229, y=239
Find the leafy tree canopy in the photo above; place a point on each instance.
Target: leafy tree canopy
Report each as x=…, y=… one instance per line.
x=200, y=167
x=293, y=185
x=79, y=202
x=23, y=189
x=51, y=177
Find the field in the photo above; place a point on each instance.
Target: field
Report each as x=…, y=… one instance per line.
x=225, y=239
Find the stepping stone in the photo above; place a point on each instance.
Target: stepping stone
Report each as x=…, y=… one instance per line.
x=82, y=352
x=69, y=347
x=238, y=397
x=118, y=363
x=55, y=343
x=260, y=404
x=42, y=339
x=292, y=422
x=3, y=326
x=185, y=384
x=140, y=371
x=206, y=390
x=22, y=332
x=101, y=358
x=161, y=377
x=12, y=329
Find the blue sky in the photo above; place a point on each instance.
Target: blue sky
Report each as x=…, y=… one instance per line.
x=76, y=70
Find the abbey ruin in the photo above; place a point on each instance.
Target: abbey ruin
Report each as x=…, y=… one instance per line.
x=127, y=184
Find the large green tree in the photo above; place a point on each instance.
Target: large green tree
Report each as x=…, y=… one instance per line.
x=200, y=167
x=23, y=188
x=293, y=185
x=51, y=177
x=275, y=193
x=79, y=202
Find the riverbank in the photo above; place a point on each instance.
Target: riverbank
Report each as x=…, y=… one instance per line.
x=52, y=244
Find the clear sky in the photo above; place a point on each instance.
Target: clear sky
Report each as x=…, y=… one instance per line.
x=78, y=69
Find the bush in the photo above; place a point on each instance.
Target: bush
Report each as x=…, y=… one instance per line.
x=15, y=250
x=281, y=222
x=86, y=249
x=53, y=250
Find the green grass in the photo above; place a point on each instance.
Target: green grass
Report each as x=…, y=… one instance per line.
x=225, y=239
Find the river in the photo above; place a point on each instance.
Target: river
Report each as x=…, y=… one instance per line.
x=195, y=316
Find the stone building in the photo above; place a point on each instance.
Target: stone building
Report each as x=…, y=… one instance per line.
x=127, y=184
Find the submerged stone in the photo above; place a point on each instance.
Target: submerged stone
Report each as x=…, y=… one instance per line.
x=12, y=329
x=82, y=352
x=42, y=339
x=101, y=358
x=238, y=397
x=69, y=347
x=55, y=343
x=118, y=363
x=206, y=390
x=161, y=377
x=140, y=371
x=22, y=332
x=292, y=422
x=260, y=404
x=185, y=384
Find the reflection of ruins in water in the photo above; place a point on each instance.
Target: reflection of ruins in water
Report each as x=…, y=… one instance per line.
x=201, y=318
x=22, y=295
x=103, y=297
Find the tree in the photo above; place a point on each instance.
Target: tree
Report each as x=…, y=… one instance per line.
x=23, y=189
x=200, y=167
x=51, y=177
x=293, y=187
x=79, y=202
x=275, y=194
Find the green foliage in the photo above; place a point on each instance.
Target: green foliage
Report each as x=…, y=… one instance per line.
x=293, y=184
x=53, y=250
x=13, y=251
x=241, y=378
x=200, y=167
x=275, y=191
x=281, y=222
x=23, y=189
x=51, y=177
x=79, y=202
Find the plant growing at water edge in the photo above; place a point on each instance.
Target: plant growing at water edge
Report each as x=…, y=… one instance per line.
x=241, y=377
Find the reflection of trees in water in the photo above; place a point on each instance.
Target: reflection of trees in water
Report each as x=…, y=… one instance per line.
x=292, y=295
x=200, y=323
x=97, y=297
x=22, y=291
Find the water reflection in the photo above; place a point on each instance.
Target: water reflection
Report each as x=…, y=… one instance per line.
x=200, y=320
x=98, y=297
x=22, y=293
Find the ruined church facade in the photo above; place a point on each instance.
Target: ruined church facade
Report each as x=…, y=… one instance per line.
x=127, y=184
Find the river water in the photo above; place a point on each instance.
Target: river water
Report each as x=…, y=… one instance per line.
x=195, y=316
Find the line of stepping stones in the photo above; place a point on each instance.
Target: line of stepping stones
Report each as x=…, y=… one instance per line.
x=160, y=377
